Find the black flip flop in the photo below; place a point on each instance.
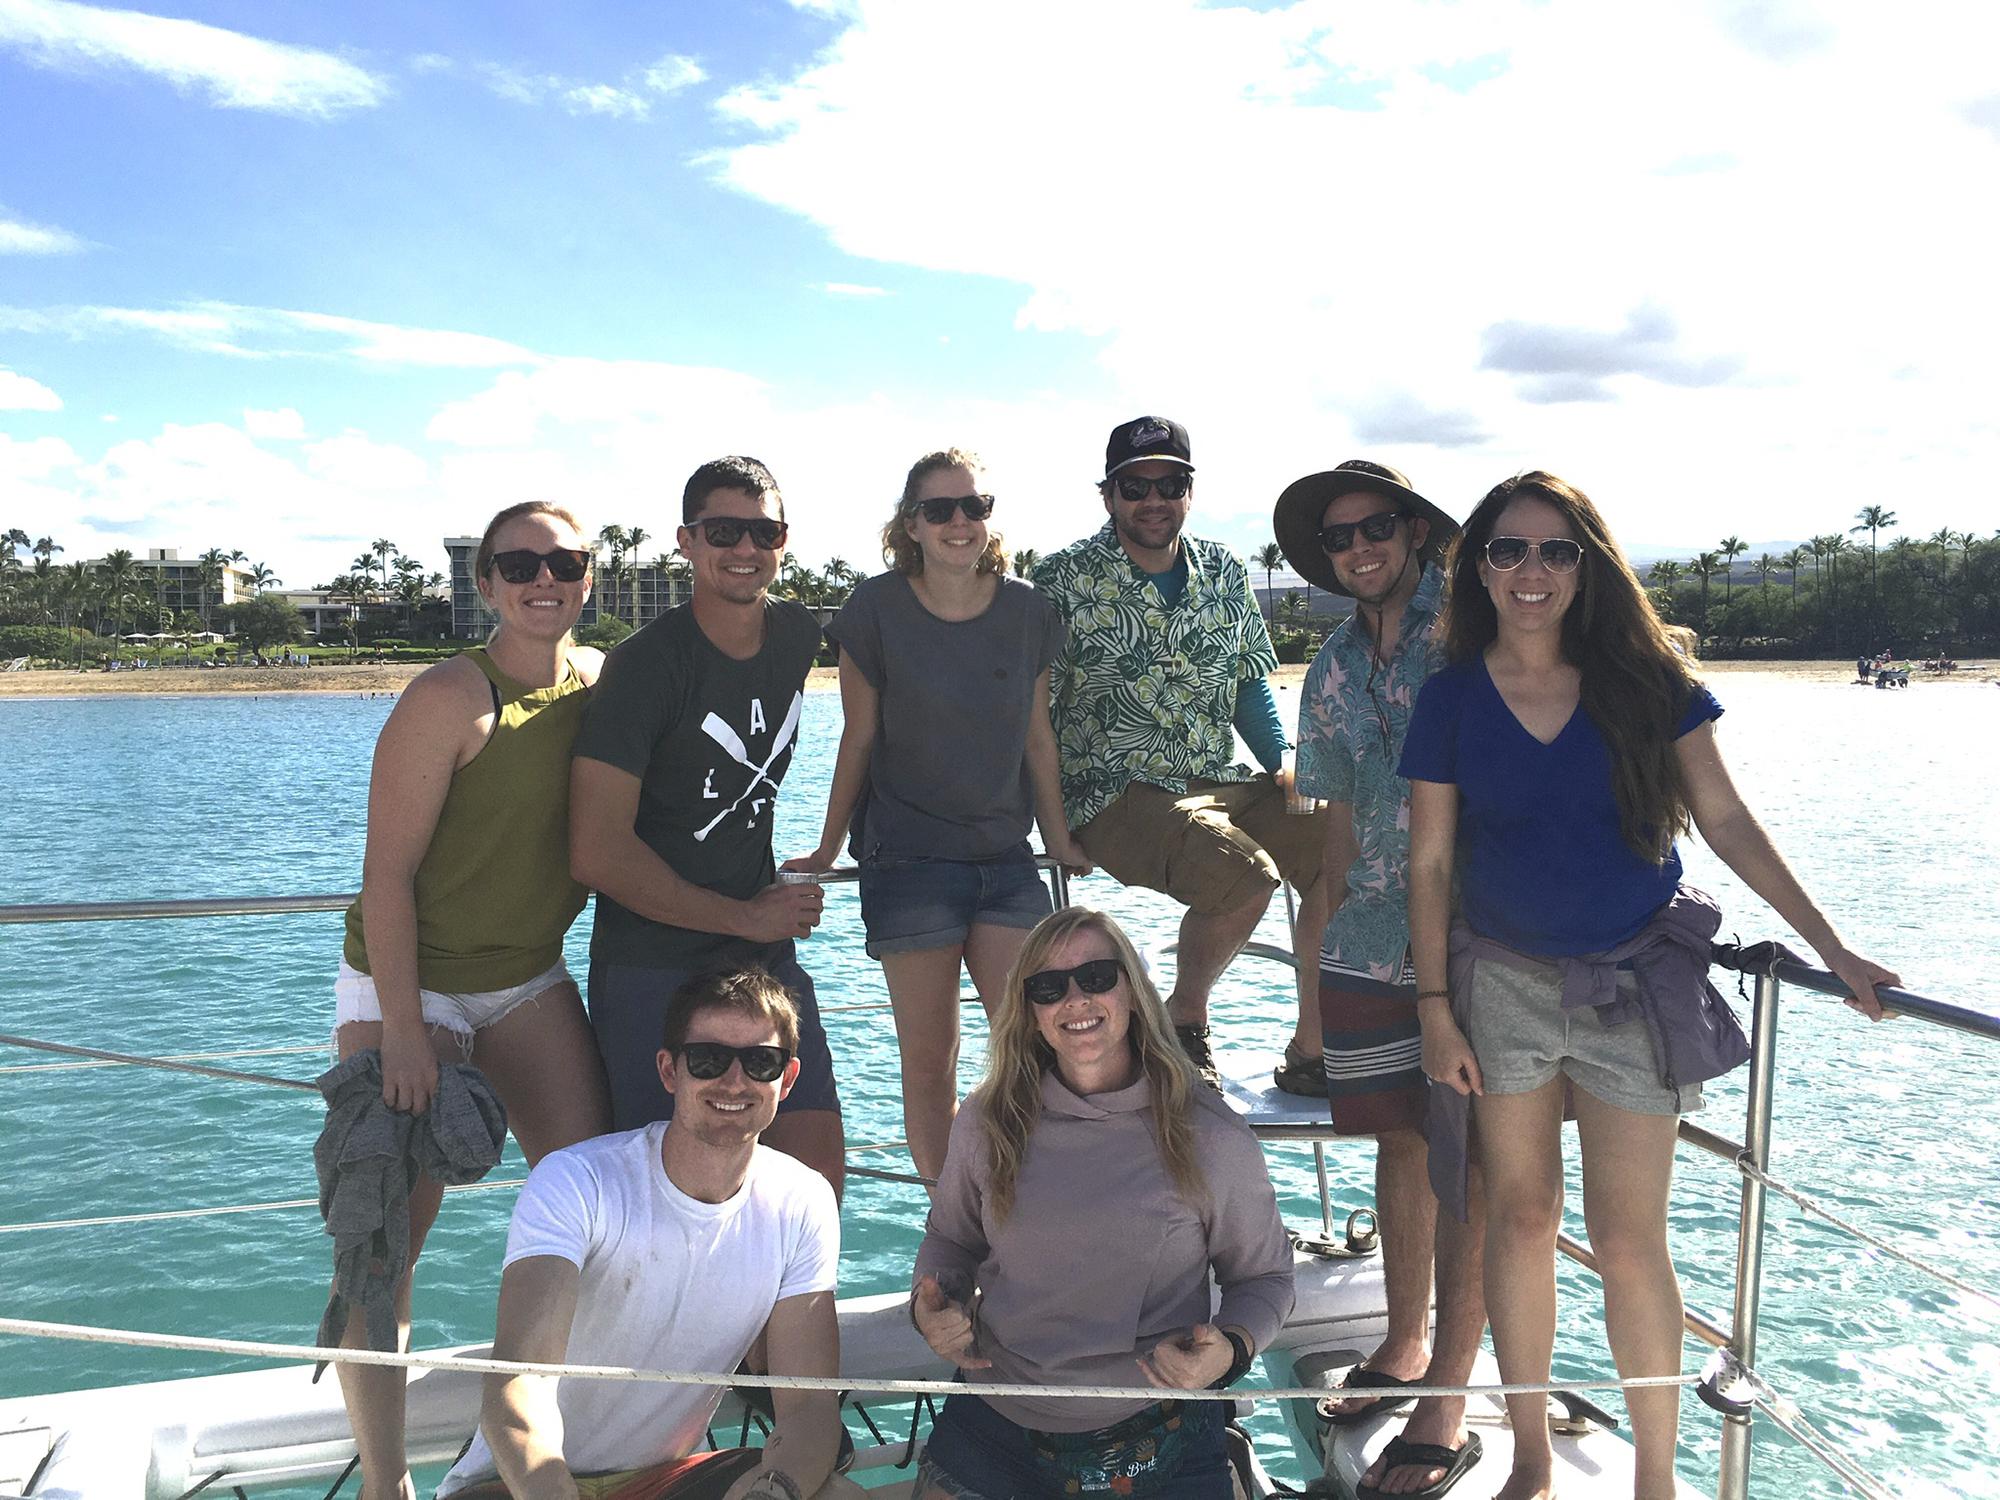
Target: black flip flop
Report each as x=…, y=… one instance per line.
x=1406, y=1455
x=1359, y=1379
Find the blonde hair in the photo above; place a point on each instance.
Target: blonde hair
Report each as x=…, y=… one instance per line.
x=900, y=550
x=1017, y=1057
x=484, y=559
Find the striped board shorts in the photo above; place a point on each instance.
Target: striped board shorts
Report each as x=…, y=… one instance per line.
x=1374, y=1049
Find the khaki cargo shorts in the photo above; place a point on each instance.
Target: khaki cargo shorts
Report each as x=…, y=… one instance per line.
x=1212, y=848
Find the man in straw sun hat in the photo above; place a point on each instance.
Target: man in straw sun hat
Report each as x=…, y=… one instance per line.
x=1360, y=530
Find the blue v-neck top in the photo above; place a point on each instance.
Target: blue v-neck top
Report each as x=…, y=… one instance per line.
x=1541, y=864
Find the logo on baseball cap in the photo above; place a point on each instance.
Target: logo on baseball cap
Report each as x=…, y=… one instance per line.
x=1147, y=437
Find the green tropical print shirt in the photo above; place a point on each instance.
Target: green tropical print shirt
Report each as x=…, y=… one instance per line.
x=1141, y=691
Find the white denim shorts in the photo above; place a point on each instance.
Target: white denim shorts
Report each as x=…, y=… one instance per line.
x=354, y=999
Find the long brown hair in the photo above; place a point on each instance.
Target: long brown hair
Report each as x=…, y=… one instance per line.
x=900, y=550
x=1636, y=681
x=1016, y=1058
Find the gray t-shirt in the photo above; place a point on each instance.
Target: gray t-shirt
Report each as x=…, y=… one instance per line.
x=949, y=774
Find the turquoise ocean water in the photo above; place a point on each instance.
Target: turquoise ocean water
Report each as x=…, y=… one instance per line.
x=1883, y=802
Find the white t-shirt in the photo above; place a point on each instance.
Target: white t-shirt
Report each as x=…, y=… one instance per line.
x=668, y=1283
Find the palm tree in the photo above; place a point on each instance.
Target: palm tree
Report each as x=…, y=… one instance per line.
x=678, y=573
x=119, y=576
x=841, y=576
x=262, y=577
x=1268, y=557
x=1766, y=567
x=208, y=575
x=1706, y=566
x=383, y=549
x=1872, y=519
x=1791, y=560
x=1731, y=548
x=46, y=547
x=1025, y=560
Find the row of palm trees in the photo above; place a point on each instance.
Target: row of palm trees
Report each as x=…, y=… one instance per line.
x=409, y=586
x=116, y=587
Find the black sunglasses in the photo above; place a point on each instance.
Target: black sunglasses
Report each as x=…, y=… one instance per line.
x=1559, y=553
x=1376, y=528
x=726, y=531
x=939, y=511
x=1171, y=487
x=522, y=565
x=761, y=1064
x=1048, y=986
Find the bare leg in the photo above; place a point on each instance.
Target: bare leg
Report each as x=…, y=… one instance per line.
x=1628, y=1161
x=815, y=1137
x=373, y=1394
x=923, y=993
x=542, y=1059
x=1461, y=1318
x=1208, y=941
x=990, y=952
x=1308, y=931
x=1409, y=1223
x=1520, y=1151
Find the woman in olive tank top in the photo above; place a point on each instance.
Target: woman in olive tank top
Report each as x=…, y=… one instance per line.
x=454, y=949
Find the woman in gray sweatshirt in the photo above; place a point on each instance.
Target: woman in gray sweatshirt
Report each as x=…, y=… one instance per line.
x=1091, y=1189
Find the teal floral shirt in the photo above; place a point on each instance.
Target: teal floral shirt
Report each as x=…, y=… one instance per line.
x=1352, y=717
x=1143, y=691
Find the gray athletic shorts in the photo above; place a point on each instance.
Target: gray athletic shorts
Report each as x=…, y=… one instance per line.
x=1523, y=1037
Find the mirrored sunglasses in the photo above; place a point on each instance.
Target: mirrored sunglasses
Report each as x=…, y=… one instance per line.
x=726, y=531
x=1047, y=986
x=1379, y=527
x=1559, y=553
x=939, y=511
x=761, y=1064
x=520, y=565
x=1171, y=487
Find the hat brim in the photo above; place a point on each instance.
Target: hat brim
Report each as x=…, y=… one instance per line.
x=1296, y=521
x=1142, y=458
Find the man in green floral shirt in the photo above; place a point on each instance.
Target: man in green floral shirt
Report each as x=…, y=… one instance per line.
x=1167, y=658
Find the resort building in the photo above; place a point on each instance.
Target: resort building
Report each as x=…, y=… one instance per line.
x=641, y=596
x=177, y=583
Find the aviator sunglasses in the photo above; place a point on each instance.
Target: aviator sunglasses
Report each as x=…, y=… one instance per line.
x=1379, y=527
x=726, y=531
x=1170, y=486
x=1559, y=553
x=522, y=565
x=1048, y=986
x=939, y=511
x=761, y=1064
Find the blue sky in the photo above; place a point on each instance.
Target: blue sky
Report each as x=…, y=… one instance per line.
x=288, y=277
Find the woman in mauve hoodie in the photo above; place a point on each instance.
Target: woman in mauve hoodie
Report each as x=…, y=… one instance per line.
x=1092, y=1188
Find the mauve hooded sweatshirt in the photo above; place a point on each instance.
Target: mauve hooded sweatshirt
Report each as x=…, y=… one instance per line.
x=1101, y=1258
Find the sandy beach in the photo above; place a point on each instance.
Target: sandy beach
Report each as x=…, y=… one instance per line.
x=391, y=678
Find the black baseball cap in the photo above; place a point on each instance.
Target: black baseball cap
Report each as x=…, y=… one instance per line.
x=1147, y=437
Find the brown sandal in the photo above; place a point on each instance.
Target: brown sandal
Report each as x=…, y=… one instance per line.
x=1304, y=1076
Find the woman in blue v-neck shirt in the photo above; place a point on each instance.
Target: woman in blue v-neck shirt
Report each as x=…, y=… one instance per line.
x=1552, y=762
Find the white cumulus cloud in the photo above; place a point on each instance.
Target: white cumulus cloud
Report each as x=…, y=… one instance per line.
x=19, y=237
x=673, y=73
x=284, y=424
x=19, y=393
x=228, y=68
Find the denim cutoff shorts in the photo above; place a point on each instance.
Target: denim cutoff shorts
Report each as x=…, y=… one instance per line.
x=1174, y=1450
x=908, y=904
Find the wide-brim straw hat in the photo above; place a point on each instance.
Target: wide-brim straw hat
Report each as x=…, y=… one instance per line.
x=1296, y=519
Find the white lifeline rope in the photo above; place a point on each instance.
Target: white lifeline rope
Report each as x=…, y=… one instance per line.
x=1819, y=1210
x=172, y=1057
x=301, y=1353
x=159, y=1215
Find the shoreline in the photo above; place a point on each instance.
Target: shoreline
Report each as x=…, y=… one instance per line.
x=392, y=678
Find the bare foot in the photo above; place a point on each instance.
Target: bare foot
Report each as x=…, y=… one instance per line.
x=1521, y=1486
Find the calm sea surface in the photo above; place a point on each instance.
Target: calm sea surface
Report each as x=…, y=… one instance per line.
x=1883, y=802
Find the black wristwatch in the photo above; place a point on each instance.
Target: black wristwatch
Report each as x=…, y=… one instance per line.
x=1238, y=1367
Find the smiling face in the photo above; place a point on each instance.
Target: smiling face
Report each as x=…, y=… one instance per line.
x=1530, y=597
x=732, y=1109
x=1151, y=525
x=1090, y=1035
x=740, y=574
x=544, y=607
x=955, y=546
x=1372, y=571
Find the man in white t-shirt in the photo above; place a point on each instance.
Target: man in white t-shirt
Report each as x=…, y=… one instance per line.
x=674, y=1246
